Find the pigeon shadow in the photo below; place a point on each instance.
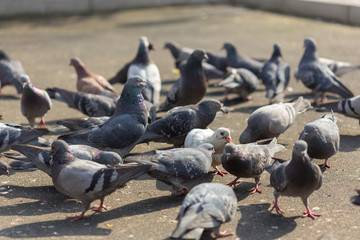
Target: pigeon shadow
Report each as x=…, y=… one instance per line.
x=349, y=143
x=256, y=223
x=247, y=110
x=8, y=97
x=234, y=101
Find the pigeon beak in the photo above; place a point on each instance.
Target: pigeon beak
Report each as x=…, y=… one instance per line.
x=228, y=139
x=151, y=47
x=206, y=57
x=7, y=173
x=303, y=153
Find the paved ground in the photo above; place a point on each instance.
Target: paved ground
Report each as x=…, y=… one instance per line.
x=31, y=208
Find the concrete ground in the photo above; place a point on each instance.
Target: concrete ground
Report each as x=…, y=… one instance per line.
x=30, y=207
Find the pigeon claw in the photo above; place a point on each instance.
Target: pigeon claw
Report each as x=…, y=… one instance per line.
x=233, y=183
x=255, y=189
x=324, y=165
x=77, y=217
x=223, y=234
x=218, y=171
x=182, y=191
x=309, y=213
x=99, y=208
x=42, y=123
x=276, y=207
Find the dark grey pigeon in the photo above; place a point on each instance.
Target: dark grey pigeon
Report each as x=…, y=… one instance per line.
x=175, y=125
x=11, y=134
x=322, y=137
x=41, y=157
x=249, y=160
x=178, y=165
x=92, y=105
x=205, y=207
x=317, y=76
x=191, y=87
x=235, y=60
x=275, y=76
x=86, y=180
x=272, y=120
x=297, y=178
x=4, y=168
x=34, y=102
x=123, y=129
x=240, y=81
x=10, y=72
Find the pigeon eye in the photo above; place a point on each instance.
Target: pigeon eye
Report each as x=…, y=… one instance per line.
x=138, y=80
x=222, y=134
x=113, y=160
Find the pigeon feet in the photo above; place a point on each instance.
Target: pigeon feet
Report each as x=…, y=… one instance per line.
x=324, y=165
x=276, y=207
x=77, y=217
x=42, y=123
x=218, y=171
x=99, y=208
x=182, y=191
x=309, y=213
x=222, y=234
x=255, y=189
x=233, y=183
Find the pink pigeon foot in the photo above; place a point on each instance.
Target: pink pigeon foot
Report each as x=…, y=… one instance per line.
x=276, y=207
x=218, y=171
x=42, y=123
x=77, y=217
x=309, y=213
x=325, y=164
x=255, y=189
x=99, y=208
x=223, y=234
x=233, y=183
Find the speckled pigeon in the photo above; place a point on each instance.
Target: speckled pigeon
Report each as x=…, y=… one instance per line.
x=191, y=87
x=11, y=134
x=296, y=178
x=275, y=75
x=178, y=165
x=90, y=82
x=240, y=81
x=175, y=125
x=218, y=139
x=249, y=160
x=41, y=157
x=34, y=102
x=272, y=120
x=235, y=60
x=4, y=168
x=124, y=128
x=92, y=105
x=10, y=72
x=322, y=137
x=317, y=76
x=206, y=207
x=85, y=180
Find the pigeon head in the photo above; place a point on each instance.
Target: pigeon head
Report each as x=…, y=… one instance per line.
x=108, y=158
x=25, y=79
x=277, y=51
x=136, y=82
x=210, y=106
x=76, y=62
x=309, y=43
x=230, y=49
x=197, y=56
x=230, y=148
x=208, y=147
x=4, y=169
x=3, y=55
x=143, y=55
x=79, y=66
x=171, y=44
x=223, y=134
x=300, y=148
x=60, y=151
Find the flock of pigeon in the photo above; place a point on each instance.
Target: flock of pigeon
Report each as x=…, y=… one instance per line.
x=95, y=158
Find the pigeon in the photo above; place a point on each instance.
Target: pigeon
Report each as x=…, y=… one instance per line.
x=190, y=88
x=11, y=134
x=272, y=120
x=10, y=72
x=296, y=178
x=322, y=137
x=92, y=105
x=249, y=160
x=85, y=180
x=205, y=207
x=4, y=168
x=317, y=76
x=179, y=53
x=356, y=199
x=218, y=139
x=41, y=157
x=34, y=102
x=177, y=123
x=124, y=128
x=178, y=165
x=145, y=68
x=275, y=76
x=90, y=82
x=235, y=60
x=349, y=107
x=240, y=81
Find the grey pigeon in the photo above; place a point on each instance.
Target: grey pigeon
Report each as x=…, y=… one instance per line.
x=34, y=102
x=236, y=60
x=145, y=68
x=11, y=134
x=175, y=125
x=10, y=72
x=297, y=178
x=82, y=123
x=191, y=87
x=349, y=107
x=124, y=128
x=218, y=139
x=240, y=81
x=275, y=75
x=92, y=105
x=41, y=157
x=85, y=180
x=272, y=120
x=317, y=76
x=178, y=165
x=4, y=168
x=90, y=82
x=249, y=160
x=356, y=199
x=205, y=207
x=322, y=137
